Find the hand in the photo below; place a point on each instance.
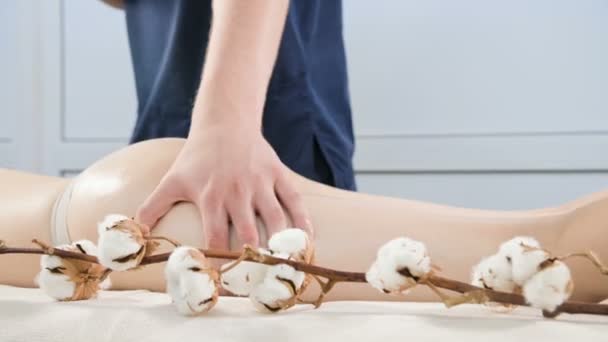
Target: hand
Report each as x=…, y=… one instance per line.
x=229, y=172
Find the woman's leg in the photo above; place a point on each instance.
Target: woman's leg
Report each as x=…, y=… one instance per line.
x=27, y=202
x=349, y=226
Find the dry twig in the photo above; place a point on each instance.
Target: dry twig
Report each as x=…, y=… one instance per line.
x=469, y=293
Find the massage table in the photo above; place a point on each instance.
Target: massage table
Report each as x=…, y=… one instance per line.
x=29, y=315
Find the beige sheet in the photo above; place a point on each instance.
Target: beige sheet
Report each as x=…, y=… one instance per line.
x=28, y=315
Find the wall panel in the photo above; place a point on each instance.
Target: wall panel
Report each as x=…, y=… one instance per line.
x=504, y=191
x=99, y=101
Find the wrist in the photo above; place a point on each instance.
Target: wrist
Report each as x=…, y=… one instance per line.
x=238, y=108
x=220, y=120
x=209, y=119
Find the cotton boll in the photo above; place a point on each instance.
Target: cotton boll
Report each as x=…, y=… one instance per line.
x=476, y=280
x=70, y=279
x=52, y=282
x=401, y=254
x=181, y=259
x=185, y=259
x=280, y=287
x=191, y=282
x=525, y=255
x=196, y=293
x=526, y=264
x=173, y=286
x=293, y=241
x=385, y=278
x=405, y=253
x=50, y=261
x=287, y=273
x=517, y=246
x=494, y=272
x=281, y=283
x=242, y=278
x=550, y=287
x=121, y=245
x=119, y=250
x=89, y=248
x=57, y=286
x=109, y=221
x=85, y=247
x=272, y=295
x=372, y=276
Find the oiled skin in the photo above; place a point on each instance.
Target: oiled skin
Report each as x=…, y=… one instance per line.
x=349, y=227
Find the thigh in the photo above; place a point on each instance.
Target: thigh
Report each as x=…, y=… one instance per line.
x=27, y=207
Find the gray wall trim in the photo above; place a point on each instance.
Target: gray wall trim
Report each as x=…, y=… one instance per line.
x=479, y=172
x=555, y=152
x=434, y=135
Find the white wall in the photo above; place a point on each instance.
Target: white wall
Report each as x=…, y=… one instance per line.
x=99, y=92
x=17, y=119
x=8, y=92
x=481, y=103
x=495, y=104
x=68, y=63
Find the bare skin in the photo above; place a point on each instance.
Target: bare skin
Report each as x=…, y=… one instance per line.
x=349, y=227
x=227, y=168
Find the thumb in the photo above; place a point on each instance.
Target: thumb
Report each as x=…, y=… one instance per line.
x=158, y=203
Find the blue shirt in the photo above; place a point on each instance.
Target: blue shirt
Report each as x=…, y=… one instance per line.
x=307, y=114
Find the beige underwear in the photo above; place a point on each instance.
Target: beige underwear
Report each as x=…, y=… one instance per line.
x=60, y=235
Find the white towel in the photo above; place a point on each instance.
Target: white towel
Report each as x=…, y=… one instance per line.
x=28, y=315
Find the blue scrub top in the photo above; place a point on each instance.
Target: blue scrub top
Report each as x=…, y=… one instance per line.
x=307, y=115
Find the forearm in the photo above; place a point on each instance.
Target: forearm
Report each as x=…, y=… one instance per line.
x=242, y=49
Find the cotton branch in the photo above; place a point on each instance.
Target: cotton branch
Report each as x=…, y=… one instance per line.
x=469, y=292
